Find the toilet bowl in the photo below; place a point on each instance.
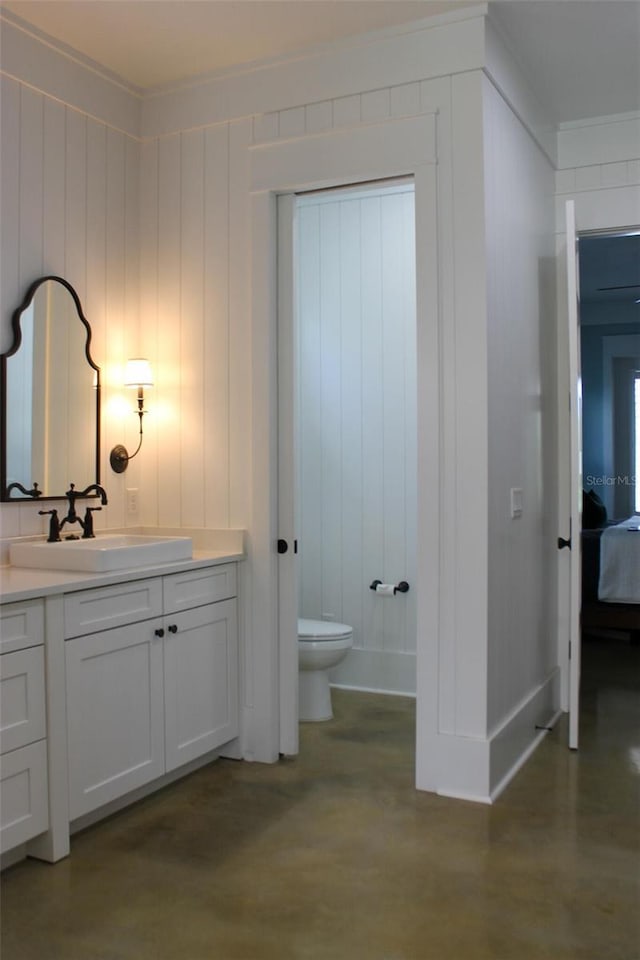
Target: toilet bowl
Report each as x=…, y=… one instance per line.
x=321, y=645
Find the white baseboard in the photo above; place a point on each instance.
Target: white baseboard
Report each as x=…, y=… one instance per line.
x=386, y=693
x=381, y=671
x=479, y=769
x=516, y=737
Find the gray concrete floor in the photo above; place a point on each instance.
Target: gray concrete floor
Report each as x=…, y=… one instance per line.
x=335, y=856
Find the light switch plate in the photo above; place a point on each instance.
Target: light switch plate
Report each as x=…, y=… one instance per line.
x=516, y=502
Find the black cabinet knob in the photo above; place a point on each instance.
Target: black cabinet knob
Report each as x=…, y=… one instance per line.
x=283, y=546
x=159, y=632
x=173, y=628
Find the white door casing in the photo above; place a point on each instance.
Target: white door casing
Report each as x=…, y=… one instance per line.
x=575, y=404
x=393, y=148
x=287, y=562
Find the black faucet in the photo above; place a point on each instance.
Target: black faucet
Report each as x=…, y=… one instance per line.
x=72, y=517
x=95, y=488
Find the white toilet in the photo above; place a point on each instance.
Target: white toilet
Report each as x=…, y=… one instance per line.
x=321, y=645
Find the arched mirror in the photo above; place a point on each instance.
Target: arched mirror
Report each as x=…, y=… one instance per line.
x=50, y=389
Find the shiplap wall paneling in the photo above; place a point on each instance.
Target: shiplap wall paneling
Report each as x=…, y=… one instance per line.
x=70, y=208
x=351, y=411
x=186, y=293
x=9, y=205
x=149, y=322
x=96, y=275
x=31, y=185
x=216, y=327
x=357, y=422
x=193, y=361
x=238, y=239
x=121, y=316
x=167, y=395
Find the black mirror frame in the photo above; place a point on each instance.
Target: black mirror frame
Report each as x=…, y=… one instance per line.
x=34, y=494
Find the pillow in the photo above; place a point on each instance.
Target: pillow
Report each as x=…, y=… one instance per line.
x=594, y=512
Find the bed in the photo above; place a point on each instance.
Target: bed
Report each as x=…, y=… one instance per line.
x=611, y=578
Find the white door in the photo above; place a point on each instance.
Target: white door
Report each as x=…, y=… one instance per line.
x=287, y=560
x=575, y=402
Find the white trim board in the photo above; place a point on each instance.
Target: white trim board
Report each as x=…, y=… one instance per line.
x=431, y=51
x=386, y=671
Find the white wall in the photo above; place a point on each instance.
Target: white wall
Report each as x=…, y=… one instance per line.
x=69, y=207
x=356, y=439
x=519, y=185
x=195, y=459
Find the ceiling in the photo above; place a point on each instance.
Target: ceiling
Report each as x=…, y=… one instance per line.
x=581, y=56
x=157, y=43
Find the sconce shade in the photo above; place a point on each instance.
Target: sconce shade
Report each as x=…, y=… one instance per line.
x=138, y=373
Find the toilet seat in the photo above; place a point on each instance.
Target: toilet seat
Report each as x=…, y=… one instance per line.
x=319, y=630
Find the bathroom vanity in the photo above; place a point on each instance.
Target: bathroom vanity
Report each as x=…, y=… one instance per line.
x=113, y=684
x=118, y=652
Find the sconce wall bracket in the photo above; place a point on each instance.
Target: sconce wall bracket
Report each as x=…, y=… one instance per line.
x=119, y=458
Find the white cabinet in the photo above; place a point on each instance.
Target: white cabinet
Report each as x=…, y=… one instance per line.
x=150, y=694
x=23, y=746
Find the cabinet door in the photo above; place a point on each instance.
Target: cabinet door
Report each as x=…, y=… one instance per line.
x=201, y=681
x=114, y=714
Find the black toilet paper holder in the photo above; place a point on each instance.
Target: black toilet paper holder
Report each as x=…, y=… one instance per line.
x=402, y=587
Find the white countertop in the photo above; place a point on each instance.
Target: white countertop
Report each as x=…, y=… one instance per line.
x=20, y=583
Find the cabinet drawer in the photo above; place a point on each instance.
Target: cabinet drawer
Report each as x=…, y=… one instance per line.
x=91, y=610
x=23, y=795
x=22, y=705
x=21, y=625
x=197, y=587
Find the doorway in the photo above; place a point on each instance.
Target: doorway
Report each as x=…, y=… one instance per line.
x=347, y=439
x=610, y=369
x=355, y=425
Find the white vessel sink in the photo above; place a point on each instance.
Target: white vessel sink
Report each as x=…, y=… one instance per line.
x=109, y=552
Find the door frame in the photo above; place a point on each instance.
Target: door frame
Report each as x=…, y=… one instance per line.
x=394, y=148
x=590, y=220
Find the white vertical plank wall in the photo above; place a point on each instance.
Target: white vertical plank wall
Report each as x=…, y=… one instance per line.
x=357, y=425
x=70, y=208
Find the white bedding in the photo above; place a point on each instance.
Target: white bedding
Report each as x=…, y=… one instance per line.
x=620, y=562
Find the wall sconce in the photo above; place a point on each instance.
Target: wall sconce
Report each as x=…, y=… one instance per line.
x=137, y=374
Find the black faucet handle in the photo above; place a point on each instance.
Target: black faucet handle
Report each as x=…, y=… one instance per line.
x=87, y=525
x=54, y=525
